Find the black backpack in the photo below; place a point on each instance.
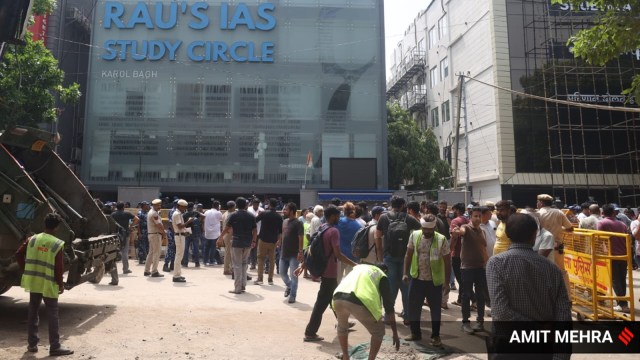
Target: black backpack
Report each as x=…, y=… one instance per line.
x=315, y=259
x=397, y=235
x=360, y=243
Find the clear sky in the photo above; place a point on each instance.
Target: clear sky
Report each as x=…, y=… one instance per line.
x=398, y=14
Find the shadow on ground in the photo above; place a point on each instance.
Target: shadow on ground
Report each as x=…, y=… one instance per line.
x=75, y=320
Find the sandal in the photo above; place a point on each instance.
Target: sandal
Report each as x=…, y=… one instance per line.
x=313, y=338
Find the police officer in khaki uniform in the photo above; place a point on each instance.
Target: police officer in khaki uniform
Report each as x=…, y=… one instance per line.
x=155, y=233
x=555, y=222
x=180, y=230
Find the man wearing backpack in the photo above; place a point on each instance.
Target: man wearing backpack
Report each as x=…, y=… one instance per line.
x=376, y=252
x=394, y=228
x=331, y=241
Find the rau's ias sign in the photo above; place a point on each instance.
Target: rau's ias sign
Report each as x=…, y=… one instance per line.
x=196, y=16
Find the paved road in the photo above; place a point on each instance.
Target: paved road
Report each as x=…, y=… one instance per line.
x=145, y=318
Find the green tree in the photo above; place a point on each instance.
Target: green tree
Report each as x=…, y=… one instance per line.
x=30, y=80
x=41, y=7
x=615, y=31
x=414, y=154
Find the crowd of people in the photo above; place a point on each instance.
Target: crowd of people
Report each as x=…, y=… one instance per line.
x=503, y=259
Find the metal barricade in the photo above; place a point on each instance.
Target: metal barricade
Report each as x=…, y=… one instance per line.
x=588, y=262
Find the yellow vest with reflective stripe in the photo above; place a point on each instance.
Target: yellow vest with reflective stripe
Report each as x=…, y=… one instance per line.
x=364, y=282
x=437, y=262
x=39, y=267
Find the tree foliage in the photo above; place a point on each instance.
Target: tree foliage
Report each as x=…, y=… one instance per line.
x=41, y=7
x=414, y=154
x=615, y=32
x=29, y=80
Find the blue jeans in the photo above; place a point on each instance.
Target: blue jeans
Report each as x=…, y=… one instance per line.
x=192, y=241
x=210, y=254
x=394, y=275
x=287, y=266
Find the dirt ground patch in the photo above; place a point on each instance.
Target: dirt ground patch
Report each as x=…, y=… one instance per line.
x=150, y=318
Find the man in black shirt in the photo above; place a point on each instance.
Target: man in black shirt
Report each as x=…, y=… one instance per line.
x=291, y=256
x=270, y=233
x=192, y=241
x=124, y=221
x=242, y=225
x=395, y=249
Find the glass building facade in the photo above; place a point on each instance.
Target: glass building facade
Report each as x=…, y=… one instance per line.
x=599, y=148
x=233, y=97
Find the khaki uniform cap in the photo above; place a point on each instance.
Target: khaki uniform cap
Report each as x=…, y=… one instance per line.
x=545, y=197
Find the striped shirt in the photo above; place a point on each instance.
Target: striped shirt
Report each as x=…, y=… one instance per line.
x=524, y=286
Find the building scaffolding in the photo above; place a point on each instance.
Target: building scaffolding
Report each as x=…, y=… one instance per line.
x=578, y=140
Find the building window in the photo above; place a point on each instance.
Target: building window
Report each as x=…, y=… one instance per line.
x=189, y=100
x=421, y=45
x=442, y=27
x=423, y=123
x=435, y=122
x=134, y=104
x=446, y=112
x=433, y=77
x=432, y=37
x=444, y=68
x=446, y=154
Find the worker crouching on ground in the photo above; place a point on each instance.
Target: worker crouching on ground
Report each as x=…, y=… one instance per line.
x=363, y=293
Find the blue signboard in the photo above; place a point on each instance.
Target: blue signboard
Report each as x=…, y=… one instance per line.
x=163, y=17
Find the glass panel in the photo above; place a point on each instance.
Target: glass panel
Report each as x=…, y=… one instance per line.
x=178, y=107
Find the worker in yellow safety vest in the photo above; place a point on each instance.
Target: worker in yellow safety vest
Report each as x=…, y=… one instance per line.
x=41, y=257
x=427, y=267
x=363, y=293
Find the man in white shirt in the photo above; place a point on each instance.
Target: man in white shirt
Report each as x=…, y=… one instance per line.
x=585, y=211
x=591, y=221
x=255, y=209
x=544, y=240
x=318, y=214
x=212, y=219
x=489, y=228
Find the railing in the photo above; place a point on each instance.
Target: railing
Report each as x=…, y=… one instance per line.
x=413, y=64
x=416, y=101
